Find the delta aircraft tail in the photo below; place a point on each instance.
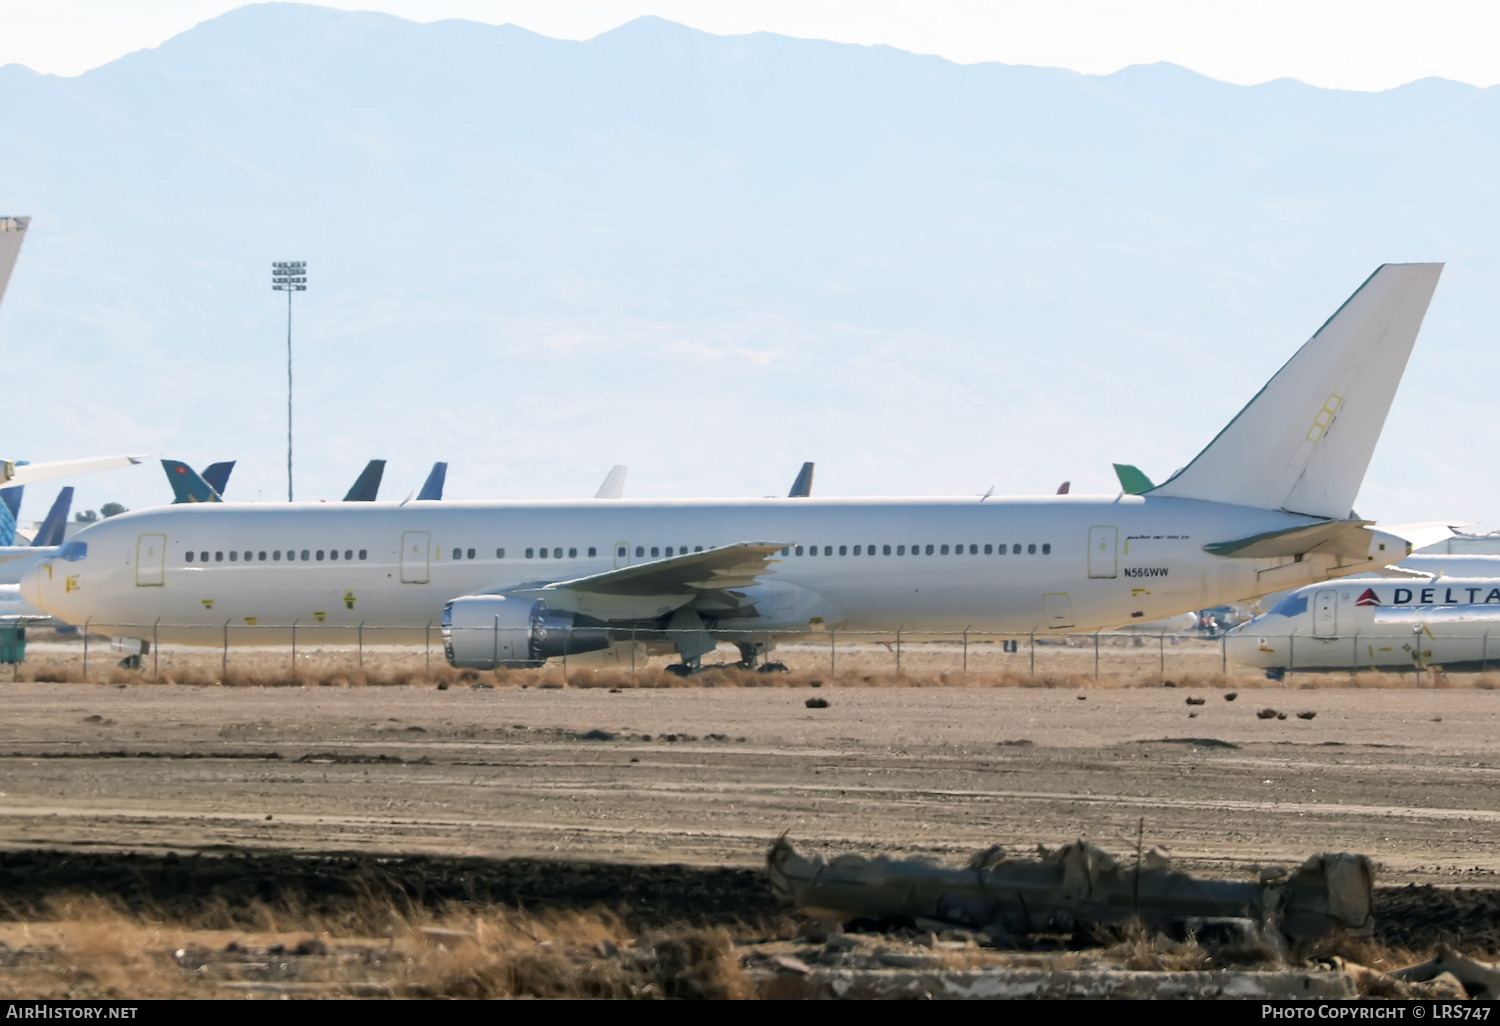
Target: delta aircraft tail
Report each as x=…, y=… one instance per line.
x=1304, y=442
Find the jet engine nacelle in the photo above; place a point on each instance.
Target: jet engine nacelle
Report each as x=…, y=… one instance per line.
x=481, y=632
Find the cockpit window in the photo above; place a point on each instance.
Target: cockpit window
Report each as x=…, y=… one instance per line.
x=1292, y=605
x=73, y=551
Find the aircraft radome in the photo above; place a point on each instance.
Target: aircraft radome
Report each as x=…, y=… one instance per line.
x=1266, y=506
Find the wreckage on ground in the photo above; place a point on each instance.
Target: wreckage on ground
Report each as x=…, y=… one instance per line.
x=1078, y=885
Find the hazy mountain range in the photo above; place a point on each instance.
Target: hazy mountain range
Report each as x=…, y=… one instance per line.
x=713, y=258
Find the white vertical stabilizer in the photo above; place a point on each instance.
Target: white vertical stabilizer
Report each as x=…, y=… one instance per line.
x=1304, y=442
x=12, y=232
x=614, y=485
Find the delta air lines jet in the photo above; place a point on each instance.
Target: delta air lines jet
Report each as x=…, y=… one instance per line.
x=1266, y=506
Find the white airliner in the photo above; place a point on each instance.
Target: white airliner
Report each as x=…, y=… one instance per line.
x=1265, y=506
x=1452, y=623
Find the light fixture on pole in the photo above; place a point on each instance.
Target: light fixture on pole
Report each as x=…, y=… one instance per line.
x=289, y=276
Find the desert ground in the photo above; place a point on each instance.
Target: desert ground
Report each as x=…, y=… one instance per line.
x=647, y=793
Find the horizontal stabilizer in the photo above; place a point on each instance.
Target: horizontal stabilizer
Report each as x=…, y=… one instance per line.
x=366, y=487
x=31, y=473
x=1334, y=537
x=614, y=483
x=217, y=476
x=187, y=484
x=1304, y=442
x=432, y=488
x=55, y=526
x=802, y=487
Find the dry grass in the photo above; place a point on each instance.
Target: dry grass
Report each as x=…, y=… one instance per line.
x=88, y=948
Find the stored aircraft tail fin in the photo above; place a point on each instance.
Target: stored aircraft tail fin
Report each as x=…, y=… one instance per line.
x=614, y=483
x=802, y=487
x=55, y=526
x=217, y=476
x=10, y=512
x=187, y=484
x=1304, y=442
x=367, y=486
x=432, y=488
x=12, y=233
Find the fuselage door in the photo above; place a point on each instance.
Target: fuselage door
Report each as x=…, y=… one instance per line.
x=622, y=554
x=1326, y=613
x=414, y=553
x=1057, y=608
x=1103, y=544
x=150, y=560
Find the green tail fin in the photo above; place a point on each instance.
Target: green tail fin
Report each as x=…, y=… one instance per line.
x=1132, y=480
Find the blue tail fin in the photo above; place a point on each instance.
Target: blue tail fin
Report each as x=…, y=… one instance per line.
x=50, y=534
x=802, y=487
x=367, y=485
x=187, y=486
x=217, y=476
x=10, y=509
x=433, y=487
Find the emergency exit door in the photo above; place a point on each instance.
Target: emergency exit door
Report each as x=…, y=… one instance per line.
x=150, y=560
x=1326, y=613
x=414, y=555
x=1103, y=546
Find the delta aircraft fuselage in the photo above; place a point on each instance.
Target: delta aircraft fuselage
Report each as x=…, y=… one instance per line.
x=182, y=574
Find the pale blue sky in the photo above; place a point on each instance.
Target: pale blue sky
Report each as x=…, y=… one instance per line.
x=1347, y=44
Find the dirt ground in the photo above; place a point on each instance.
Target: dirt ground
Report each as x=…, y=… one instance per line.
x=142, y=824
x=710, y=776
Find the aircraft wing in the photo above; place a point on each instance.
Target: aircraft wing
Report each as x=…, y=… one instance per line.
x=716, y=569
x=30, y=473
x=1428, y=532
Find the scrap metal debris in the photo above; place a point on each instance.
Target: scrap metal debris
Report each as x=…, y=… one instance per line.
x=1078, y=885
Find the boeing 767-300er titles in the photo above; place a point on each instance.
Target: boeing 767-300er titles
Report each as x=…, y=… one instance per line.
x=1266, y=506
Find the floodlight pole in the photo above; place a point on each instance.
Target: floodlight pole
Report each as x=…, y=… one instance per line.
x=289, y=276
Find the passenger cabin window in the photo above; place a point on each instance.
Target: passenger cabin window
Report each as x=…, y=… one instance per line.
x=655, y=551
x=348, y=554
x=458, y=553
x=218, y=557
x=593, y=552
x=543, y=553
x=886, y=549
x=333, y=553
x=1047, y=549
x=988, y=549
x=234, y=557
x=942, y=551
x=471, y=554
x=785, y=552
x=557, y=553
x=320, y=553
x=929, y=549
x=1031, y=549
x=529, y=553
x=261, y=557
x=799, y=550
x=304, y=554
x=363, y=551
x=640, y=550
x=973, y=550
x=276, y=555
x=900, y=550
x=499, y=554
x=189, y=557
x=844, y=550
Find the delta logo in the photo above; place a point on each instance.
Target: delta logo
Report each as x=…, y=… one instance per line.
x=1369, y=598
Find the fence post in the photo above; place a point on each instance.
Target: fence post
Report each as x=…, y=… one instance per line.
x=1354, y=656
x=567, y=636
x=898, y=651
x=294, y=649
x=427, y=646
x=632, y=653
x=833, y=654
x=1161, y=645
x=1032, y=649
x=1224, y=653
x=155, y=651
x=1096, y=655
x=966, y=648
x=86, y=647
x=224, y=668
x=1484, y=653
x=1291, y=655
x=359, y=636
